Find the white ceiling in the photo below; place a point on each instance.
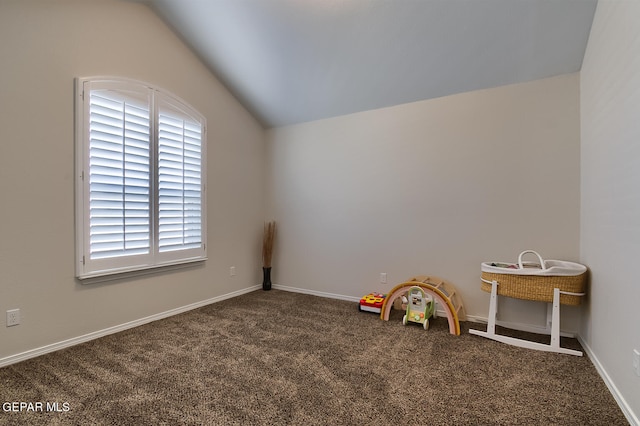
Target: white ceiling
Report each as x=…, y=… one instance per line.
x=292, y=61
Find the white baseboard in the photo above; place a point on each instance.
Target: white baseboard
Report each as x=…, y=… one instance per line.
x=12, y=359
x=316, y=293
x=622, y=403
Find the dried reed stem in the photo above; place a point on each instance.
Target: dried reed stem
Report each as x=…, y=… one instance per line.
x=267, y=243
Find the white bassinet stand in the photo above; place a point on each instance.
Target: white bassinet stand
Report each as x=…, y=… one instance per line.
x=554, y=345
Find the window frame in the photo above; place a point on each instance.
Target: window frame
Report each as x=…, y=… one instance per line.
x=157, y=98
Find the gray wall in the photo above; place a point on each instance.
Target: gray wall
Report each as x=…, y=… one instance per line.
x=610, y=206
x=45, y=45
x=430, y=188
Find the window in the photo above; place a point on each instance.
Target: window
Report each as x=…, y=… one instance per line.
x=140, y=194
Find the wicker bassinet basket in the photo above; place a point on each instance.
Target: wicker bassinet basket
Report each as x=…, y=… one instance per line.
x=536, y=281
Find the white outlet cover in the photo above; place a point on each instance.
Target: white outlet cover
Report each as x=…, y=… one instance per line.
x=13, y=317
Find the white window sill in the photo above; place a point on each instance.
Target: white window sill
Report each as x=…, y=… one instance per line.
x=122, y=274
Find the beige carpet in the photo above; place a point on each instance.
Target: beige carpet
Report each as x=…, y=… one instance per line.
x=285, y=358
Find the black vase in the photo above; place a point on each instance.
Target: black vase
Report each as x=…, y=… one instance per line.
x=266, y=278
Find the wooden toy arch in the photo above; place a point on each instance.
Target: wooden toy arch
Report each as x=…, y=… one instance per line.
x=442, y=292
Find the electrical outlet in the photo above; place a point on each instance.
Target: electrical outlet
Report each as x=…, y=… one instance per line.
x=13, y=317
x=232, y=271
x=636, y=361
x=383, y=278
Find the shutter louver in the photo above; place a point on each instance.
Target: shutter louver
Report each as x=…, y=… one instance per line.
x=179, y=182
x=119, y=176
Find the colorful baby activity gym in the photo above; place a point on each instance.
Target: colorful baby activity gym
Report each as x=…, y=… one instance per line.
x=438, y=290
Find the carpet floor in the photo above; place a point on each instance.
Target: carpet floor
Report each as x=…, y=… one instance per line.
x=271, y=358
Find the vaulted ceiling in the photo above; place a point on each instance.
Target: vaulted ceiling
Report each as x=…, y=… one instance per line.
x=292, y=61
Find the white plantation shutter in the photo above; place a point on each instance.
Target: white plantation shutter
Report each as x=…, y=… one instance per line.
x=179, y=180
x=119, y=177
x=140, y=190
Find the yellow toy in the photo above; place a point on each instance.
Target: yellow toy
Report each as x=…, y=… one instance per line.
x=372, y=302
